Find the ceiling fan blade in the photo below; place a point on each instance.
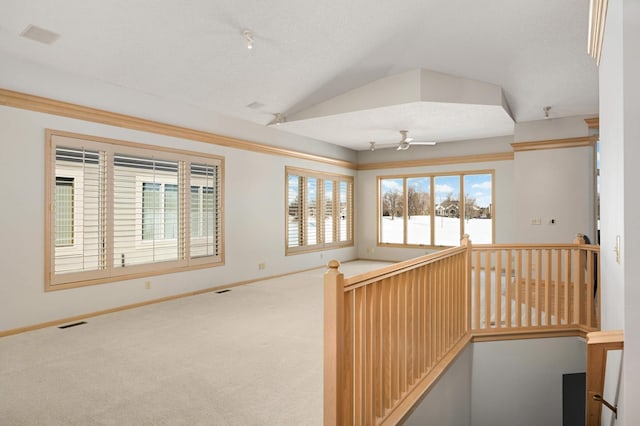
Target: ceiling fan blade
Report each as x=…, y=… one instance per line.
x=430, y=143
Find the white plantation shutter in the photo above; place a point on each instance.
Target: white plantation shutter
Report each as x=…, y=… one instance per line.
x=78, y=210
x=319, y=210
x=140, y=215
x=64, y=213
x=119, y=209
x=311, y=211
x=294, y=210
x=345, y=213
x=205, y=210
x=328, y=217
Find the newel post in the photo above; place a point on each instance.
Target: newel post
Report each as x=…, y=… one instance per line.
x=579, y=284
x=333, y=343
x=466, y=242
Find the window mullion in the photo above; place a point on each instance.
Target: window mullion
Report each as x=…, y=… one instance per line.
x=463, y=206
x=184, y=210
x=405, y=221
x=320, y=225
x=335, y=211
x=432, y=209
x=304, y=213
x=106, y=224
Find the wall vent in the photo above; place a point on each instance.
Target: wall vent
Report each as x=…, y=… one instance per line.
x=39, y=34
x=72, y=325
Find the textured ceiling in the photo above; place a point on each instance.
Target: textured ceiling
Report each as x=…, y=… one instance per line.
x=306, y=53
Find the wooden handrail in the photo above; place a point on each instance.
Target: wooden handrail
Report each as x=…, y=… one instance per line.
x=598, y=344
x=390, y=333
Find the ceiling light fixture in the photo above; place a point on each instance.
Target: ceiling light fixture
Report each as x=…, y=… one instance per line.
x=249, y=36
x=546, y=112
x=372, y=146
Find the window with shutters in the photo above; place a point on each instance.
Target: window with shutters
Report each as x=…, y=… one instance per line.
x=117, y=210
x=319, y=212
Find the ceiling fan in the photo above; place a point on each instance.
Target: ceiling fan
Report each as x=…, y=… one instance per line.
x=405, y=142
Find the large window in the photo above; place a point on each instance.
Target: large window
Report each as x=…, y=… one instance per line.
x=319, y=212
x=435, y=210
x=120, y=209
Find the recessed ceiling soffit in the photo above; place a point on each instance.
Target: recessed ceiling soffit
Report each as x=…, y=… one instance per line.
x=430, y=104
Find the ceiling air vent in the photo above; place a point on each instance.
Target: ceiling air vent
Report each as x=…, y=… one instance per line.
x=39, y=34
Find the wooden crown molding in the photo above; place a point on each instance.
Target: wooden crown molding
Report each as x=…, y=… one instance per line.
x=478, y=158
x=597, y=20
x=65, y=109
x=593, y=123
x=554, y=144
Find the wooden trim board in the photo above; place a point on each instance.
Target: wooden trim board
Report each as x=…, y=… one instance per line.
x=554, y=143
x=478, y=158
x=65, y=109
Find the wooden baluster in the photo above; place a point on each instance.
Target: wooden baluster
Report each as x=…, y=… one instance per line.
x=567, y=283
x=477, y=282
x=556, y=290
x=518, y=288
x=487, y=290
x=547, y=289
x=538, y=289
x=528, y=287
x=508, y=285
x=578, y=282
x=466, y=242
x=370, y=353
x=498, y=295
x=589, y=301
x=348, y=349
x=360, y=366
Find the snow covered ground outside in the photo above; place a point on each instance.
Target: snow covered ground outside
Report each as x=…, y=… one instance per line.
x=447, y=230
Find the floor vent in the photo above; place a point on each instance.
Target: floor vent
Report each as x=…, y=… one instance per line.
x=222, y=291
x=72, y=325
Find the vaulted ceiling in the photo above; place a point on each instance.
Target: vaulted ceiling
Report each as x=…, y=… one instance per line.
x=322, y=65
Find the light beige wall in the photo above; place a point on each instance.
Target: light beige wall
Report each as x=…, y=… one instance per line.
x=449, y=402
x=254, y=223
x=620, y=153
x=519, y=382
x=554, y=185
x=552, y=128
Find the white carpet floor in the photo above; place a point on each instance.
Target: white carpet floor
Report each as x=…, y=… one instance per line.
x=250, y=356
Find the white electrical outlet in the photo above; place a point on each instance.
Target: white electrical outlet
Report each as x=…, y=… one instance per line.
x=262, y=265
x=147, y=285
x=536, y=221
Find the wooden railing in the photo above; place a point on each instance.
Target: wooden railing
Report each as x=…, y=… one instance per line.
x=598, y=345
x=390, y=333
x=521, y=288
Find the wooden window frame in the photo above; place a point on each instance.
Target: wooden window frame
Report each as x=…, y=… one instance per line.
x=432, y=177
x=106, y=270
x=303, y=243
